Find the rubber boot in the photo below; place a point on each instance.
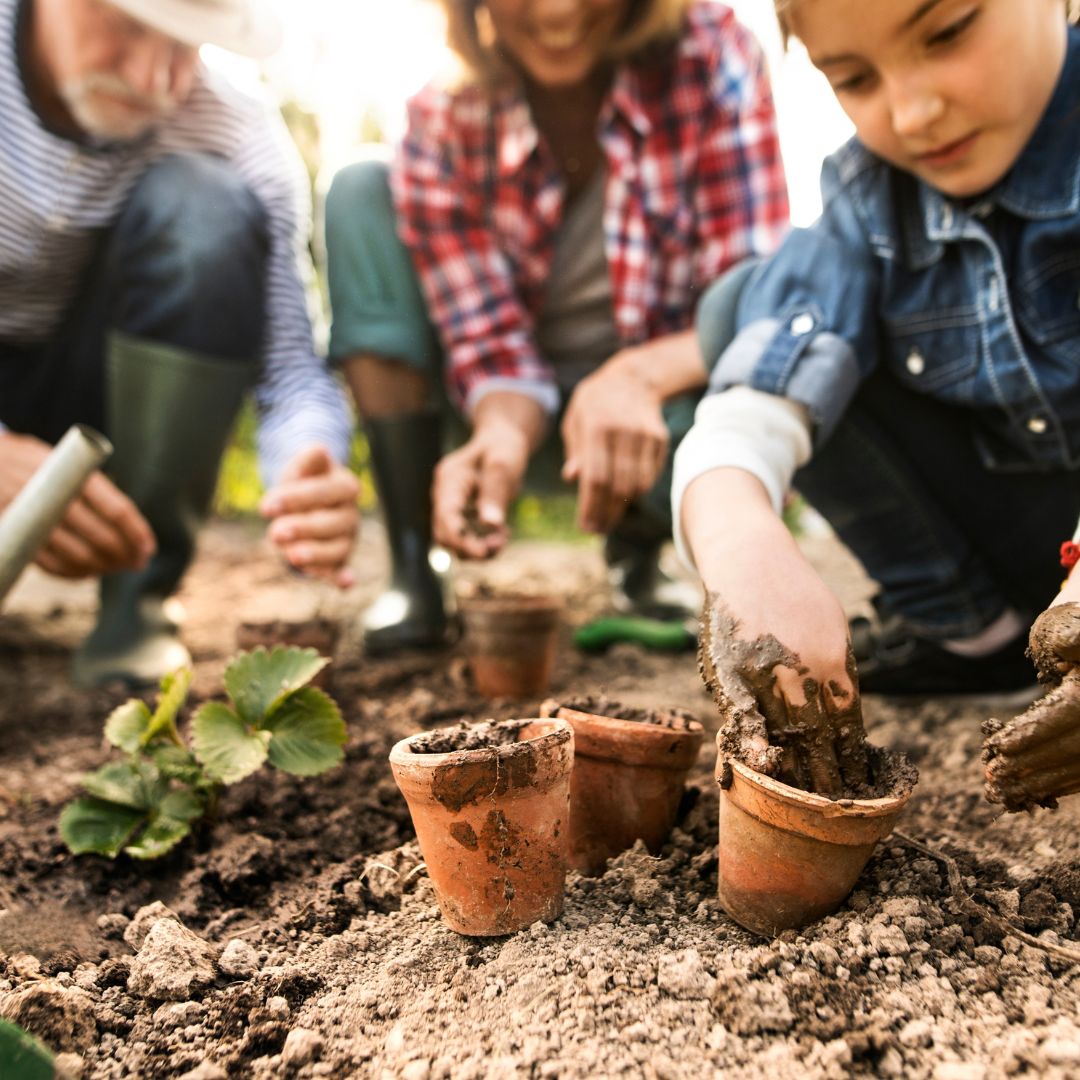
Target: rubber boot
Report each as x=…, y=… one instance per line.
x=414, y=611
x=170, y=412
x=639, y=584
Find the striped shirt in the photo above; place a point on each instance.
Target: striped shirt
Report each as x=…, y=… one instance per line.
x=57, y=195
x=693, y=183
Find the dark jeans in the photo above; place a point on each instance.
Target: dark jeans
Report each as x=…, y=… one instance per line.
x=950, y=542
x=184, y=265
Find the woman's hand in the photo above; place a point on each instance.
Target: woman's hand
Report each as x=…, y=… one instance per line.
x=616, y=443
x=475, y=484
x=313, y=515
x=102, y=530
x=774, y=650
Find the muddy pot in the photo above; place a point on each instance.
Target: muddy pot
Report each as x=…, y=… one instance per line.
x=318, y=634
x=629, y=773
x=789, y=857
x=510, y=643
x=490, y=804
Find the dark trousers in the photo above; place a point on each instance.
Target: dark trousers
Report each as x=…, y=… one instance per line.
x=183, y=265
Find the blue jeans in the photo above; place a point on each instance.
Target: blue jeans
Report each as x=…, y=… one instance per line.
x=378, y=309
x=183, y=265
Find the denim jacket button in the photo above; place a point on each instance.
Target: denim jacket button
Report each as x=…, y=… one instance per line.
x=1037, y=425
x=802, y=324
x=916, y=362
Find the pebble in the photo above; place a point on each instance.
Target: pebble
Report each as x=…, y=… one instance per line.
x=277, y=1007
x=239, y=959
x=69, y=1067
x=302, y=1045
x=889, y=940
x=207, y=1070
x=416, y=1070
x=173, y=963
x=135, y=932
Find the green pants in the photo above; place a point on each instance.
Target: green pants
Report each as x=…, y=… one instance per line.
x=378, y=309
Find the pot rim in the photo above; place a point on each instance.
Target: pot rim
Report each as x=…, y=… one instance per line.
x=561, y=732
x=811, y=801
x=694, y=728
x=524, y=603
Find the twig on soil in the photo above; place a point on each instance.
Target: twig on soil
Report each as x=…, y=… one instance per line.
x=972, y=907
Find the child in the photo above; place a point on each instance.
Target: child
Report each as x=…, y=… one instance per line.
x=555, y=219
x=915, y=356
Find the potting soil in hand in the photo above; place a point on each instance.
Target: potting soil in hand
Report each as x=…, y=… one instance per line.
x=301, y=938
x=819, y=746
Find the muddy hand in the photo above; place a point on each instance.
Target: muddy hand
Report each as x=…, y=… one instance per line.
x=1035, y=759
x=778, y=720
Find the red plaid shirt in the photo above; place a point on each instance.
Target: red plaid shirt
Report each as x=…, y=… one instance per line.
x=694, y=184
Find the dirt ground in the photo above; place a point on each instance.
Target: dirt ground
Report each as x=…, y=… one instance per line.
x=308, y=941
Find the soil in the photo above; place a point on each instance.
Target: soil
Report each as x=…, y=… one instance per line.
x=302, y=939
x=672, y=719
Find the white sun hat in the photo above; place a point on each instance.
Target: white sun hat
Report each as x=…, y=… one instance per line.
x=247, y=27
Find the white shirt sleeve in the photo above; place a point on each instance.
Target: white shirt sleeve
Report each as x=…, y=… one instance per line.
x=764, y=434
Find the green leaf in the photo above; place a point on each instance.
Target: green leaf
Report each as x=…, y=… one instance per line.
x=174, y=692
x=22, y=1056
x=93, y=825
x=178, y=810
x=127, y=724
x=128, y=783
x=177, y=763
x=227, y=747
x=258, y=681
x=308, y=733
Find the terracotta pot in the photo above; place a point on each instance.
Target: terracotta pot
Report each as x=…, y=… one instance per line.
x=789, y=857
x=510, y=643
x=318, y=634
x=490, y=804
x=628, y=779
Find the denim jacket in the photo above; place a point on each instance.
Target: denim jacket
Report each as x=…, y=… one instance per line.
x=975, y=302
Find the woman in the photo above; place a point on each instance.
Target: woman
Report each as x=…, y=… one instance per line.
x=554, y=218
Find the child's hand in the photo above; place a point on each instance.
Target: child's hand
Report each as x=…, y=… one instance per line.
x=1035, y=759
x=774, y=647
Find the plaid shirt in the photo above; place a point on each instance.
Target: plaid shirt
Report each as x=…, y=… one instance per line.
x=694, y=184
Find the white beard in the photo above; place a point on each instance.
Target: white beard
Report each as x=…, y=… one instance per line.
x=90, y=101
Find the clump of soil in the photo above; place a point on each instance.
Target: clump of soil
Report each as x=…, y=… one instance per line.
x=819, y=746
x=598, y=705
x=465, y=736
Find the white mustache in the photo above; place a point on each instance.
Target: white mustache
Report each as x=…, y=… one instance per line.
x=114, y=86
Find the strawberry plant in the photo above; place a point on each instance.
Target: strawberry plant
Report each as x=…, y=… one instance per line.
x=145, y=804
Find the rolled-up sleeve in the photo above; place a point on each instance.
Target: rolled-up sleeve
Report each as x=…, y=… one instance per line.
x=806, y=322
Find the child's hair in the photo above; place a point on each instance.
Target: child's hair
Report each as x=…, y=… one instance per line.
x=1072, y=12
x=649, y=24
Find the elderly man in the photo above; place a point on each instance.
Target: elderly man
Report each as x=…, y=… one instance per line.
x=152, y=268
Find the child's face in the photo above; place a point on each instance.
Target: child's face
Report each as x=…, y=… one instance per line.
x=950, y=90
x=557, y=42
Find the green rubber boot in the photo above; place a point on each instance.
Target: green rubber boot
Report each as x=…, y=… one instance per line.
x=170, y=412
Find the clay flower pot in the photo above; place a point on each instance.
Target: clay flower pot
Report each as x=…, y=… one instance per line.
x=630, y=768
x=318, y=634
x=490, y=804
x=789, y=857
x=510, y=643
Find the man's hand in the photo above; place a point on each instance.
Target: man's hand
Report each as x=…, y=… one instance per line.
x=314, y=517
x=1035, y=759
x=774, y=649
x=616, y=442
x=101, y=532
x=475, y=485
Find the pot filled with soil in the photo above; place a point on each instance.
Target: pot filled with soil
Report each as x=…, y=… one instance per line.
x=630, y=769
x=318, y=634
x=490, y=804
x=510, y=642
x=789, y=857
x=804, y=798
